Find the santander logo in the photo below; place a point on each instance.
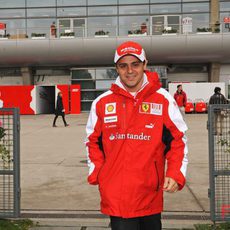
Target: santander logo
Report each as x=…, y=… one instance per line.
x=129, y=136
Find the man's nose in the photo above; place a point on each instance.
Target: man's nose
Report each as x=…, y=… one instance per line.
x=130, y=70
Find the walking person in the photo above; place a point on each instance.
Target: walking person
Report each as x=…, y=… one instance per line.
x=218, y=98
x=181, y=99
x=59, y=111
x=132, y=130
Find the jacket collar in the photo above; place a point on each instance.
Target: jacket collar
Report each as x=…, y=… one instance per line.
x=150, y=85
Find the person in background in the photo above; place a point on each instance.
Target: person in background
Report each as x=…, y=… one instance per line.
x=132, y=131
x=59, y=111
x=53, y=30
x=218, y=98
x=181, y=99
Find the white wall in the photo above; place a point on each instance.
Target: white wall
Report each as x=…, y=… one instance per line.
x=198, y=90
x=225, y=73
x=11, y=80
x=52, y=80
x=187, y=77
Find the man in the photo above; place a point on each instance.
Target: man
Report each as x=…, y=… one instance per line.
x=181, y=99
x=218, y=98
x=59, y=111
x=131, y=130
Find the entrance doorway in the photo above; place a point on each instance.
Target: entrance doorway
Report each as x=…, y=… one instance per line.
x=159, y=23
x=76, y=25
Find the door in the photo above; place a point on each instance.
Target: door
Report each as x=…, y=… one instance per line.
x=75, y=99
x=76, y=25
x=65, y=96
x=159, y=23
x=79, y=27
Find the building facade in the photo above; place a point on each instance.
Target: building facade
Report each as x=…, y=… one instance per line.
x=50, y=42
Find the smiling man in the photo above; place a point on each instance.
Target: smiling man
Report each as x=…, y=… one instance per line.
x=132, y=131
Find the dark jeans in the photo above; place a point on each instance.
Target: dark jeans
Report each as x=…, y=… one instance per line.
x=63, y=118
x=152, y=222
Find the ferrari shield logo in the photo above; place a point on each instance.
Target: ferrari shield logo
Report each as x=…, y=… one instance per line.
x=145, y=107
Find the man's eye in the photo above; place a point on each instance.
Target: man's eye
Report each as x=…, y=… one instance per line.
x=122, y=66
x=136, y=64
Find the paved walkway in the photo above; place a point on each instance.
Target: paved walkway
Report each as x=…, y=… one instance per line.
x=54, y=172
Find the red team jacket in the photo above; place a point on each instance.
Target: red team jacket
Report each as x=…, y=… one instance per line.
x=128, y=140
x=180, y=98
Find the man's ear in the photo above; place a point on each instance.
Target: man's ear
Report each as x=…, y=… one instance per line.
x=145, y=64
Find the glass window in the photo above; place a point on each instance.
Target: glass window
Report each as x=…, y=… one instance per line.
x=40, y=3
x=195, y=7
x=133, y=1
x=71, y=2
x=43, y=12
x=198, y=21
x=71, y=11
x=102, y=2
x=133, y=25
x=105, y=10
x=12, y=3
x=106, y=74
x=41, y=26
x=165, y=1
x=12, y=13
x=195, y=0
x=162, y=9
x=224, y=6
x=98, y=26
x=15, y=26
x=138, y=9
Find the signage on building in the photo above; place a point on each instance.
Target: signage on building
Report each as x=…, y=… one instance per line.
x=187, y=25
x=2, y=29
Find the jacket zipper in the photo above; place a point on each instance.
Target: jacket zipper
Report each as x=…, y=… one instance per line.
x=158, y=182
x=124, y=118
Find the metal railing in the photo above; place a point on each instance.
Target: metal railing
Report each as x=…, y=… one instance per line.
x=111, y=31
x=219, y=161
x=9, y=163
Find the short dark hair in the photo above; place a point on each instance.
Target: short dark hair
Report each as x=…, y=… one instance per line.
x=178, y=86
x=217, y=89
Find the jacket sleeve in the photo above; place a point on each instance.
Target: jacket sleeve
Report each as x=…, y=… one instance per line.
x=177, y=155
x=95, y=155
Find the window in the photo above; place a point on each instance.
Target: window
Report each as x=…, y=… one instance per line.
x=138, y=9
x=42, y=12
x=195, y=7
x=15, y=26
x=133, y=1
x=105, y=10
x=162, y=9
x=102, y=2
x=102, y=26
x=165, y=1
x=40, y=3
x=71, y=11
x=198, y=20
x=71, y=2
x=132, y=24
x=12, y=13
x=224, y=6
x=41, y=26
x=224, y=27
x=12, y=3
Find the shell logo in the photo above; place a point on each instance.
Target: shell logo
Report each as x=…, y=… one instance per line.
x=110, y=108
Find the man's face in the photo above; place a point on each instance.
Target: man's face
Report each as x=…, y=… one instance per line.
x=180, y=89
x=131, y=72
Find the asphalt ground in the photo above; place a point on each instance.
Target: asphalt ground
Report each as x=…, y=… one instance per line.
x=54, y=171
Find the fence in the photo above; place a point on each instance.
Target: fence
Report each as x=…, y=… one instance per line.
x=219, y=161
x=9, y=163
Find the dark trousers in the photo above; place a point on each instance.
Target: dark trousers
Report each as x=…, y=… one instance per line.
x=63, y=118
x=152, y=222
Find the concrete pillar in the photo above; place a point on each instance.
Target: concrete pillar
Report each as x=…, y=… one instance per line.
x=214, y=72
x=27, y=77
x=214, y=15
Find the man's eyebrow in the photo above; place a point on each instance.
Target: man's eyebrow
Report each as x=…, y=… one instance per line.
x=128, y=63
